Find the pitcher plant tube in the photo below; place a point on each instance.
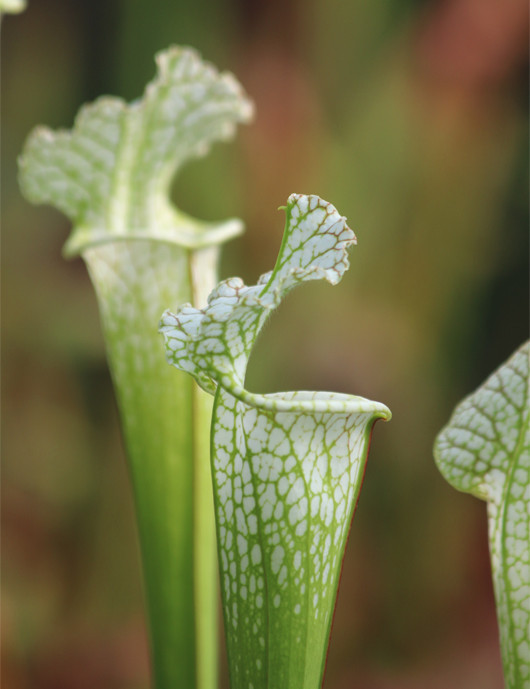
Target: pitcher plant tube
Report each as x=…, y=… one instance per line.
x=111, y=176
x=485, y=450
x=287, y=467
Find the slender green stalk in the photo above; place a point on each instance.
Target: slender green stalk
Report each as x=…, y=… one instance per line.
x=165, y=423
x=111, y=177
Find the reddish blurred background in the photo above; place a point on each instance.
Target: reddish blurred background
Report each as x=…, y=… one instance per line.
x=411, y=117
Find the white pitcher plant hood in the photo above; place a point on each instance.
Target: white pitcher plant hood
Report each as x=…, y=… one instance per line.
x=287, y=467
x=111, y=174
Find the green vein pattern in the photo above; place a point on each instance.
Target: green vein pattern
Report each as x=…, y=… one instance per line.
x=111, y=174
x=287, y=467
x=485, y=450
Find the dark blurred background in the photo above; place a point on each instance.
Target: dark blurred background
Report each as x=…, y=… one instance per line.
x=410, y=116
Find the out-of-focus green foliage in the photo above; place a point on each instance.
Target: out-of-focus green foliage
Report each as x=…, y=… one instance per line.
x=13, y=6
x=412, y=118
